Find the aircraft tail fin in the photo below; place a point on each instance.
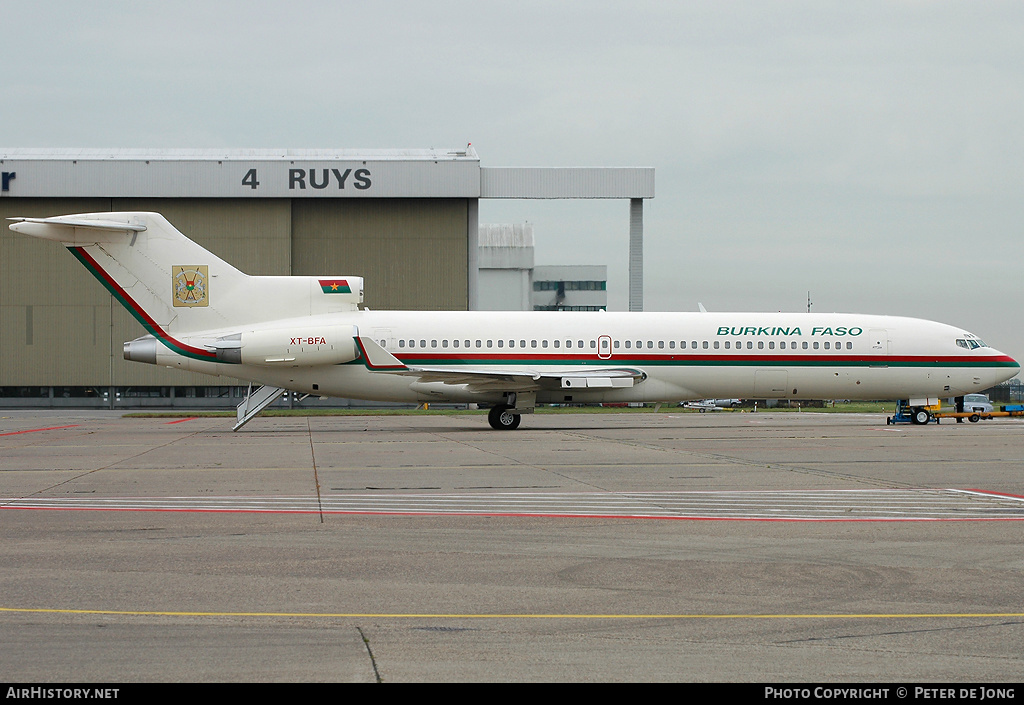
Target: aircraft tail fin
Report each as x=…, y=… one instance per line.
x=172, y=285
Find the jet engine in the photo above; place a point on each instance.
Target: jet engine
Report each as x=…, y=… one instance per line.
x=294, y=346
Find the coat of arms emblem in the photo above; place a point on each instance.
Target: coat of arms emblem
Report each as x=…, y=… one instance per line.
x=190, y=285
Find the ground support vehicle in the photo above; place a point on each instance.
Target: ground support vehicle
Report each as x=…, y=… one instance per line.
x=975, y=416
x=915, y=411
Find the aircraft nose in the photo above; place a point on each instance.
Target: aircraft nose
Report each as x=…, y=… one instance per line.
x=1005, y=367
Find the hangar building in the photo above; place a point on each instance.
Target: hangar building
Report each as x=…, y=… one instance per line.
x=406, y=220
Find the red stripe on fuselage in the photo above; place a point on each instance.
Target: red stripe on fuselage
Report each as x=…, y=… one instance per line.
x=140, y=312
x=626, y=358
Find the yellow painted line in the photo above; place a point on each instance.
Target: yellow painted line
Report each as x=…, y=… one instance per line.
x=430, y=615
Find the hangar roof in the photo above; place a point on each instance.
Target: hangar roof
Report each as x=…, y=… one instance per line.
x=302, y=173
x=262, y=154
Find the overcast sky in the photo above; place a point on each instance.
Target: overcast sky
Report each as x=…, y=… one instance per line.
x=869, y=152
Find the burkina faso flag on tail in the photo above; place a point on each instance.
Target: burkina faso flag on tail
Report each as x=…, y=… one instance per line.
x=335, y=286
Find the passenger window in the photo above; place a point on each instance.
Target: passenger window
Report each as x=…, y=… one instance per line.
x=826, y=345
x=511, y=343
x=455, y=343
x=629, y=343
x=693, y=344
x=501, y=343
x=815, y=344
x=423, y=343
x=805, y=345
x=544, y=343
x=522, y=344
x=433, y=343
x=661, y=344
x=849, y=345
x=593, y=344
x=672, y=344
x=782, y=345
x=716, y=345
x=727, y=345
x=444, y=343
x=771, y=345
x=579, y=344
x=533, y=343
x=705, y=345
x=490, y=344
x=557, y=343
x=401, y=343
x=650, y=345
x=760, y=345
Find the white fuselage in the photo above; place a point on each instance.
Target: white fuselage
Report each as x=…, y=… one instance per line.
x=681, y=356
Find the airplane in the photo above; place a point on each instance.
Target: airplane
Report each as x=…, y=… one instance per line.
x=311, y=335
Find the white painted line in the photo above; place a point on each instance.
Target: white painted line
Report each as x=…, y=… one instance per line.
x=812, y=505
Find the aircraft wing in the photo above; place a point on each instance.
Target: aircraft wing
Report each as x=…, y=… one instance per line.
x=489, y=379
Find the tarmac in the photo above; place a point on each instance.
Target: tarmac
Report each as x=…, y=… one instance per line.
x=672, y=546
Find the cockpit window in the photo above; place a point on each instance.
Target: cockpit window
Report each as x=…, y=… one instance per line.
x=971, y=343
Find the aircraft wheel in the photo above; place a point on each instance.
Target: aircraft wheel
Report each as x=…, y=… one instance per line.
x=974, y=418
x=921, y=416
x=703, y=410
x=501, y=418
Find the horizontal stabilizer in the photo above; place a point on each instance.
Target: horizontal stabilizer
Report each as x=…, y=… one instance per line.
x=66, y=229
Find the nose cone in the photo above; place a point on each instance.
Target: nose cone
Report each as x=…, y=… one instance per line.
x=1003, y=367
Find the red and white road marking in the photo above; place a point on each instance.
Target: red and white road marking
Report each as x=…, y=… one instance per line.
x=800, y=505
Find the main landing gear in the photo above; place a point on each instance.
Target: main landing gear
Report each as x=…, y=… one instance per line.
x=502, y=418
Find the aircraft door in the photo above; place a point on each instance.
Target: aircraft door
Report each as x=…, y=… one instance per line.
x=879, y=339
x=604, y=347
x=385, y=338
x=771, y=384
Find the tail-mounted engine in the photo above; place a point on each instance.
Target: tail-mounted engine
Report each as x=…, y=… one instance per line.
x=294, y=346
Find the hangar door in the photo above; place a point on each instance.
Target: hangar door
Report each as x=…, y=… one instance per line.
x=411, y=252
